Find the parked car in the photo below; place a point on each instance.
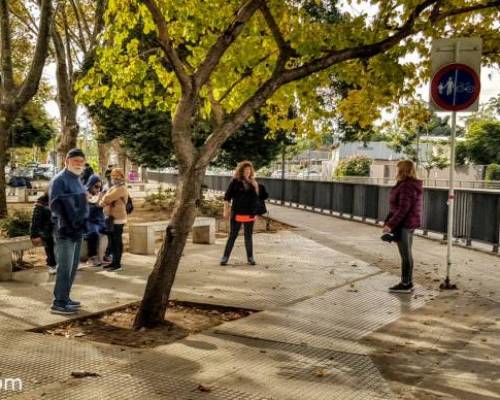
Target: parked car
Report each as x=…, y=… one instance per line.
x=44, y=171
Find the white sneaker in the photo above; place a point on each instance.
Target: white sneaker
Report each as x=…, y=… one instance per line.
x=52, y=270
x=93, y=262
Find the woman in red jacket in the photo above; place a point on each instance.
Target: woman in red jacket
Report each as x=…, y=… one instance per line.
x=404, y=217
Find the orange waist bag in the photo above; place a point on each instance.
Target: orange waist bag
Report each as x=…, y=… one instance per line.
x=244, y=218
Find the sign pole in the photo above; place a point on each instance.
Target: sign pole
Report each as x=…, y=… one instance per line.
x=447, y=285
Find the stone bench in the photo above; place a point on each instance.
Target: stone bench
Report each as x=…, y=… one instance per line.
x=7, y=246
x=142, y=236
x=23, y=195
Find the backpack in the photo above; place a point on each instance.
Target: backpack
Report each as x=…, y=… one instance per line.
x=260, y=208
x=129, y=207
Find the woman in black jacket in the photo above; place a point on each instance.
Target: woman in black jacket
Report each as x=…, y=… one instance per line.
x=240, y=203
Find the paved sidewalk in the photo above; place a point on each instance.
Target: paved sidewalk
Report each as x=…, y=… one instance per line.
x=322, y=289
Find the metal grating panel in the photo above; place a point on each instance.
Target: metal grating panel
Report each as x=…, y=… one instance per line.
x=278, y=370
x=334, y=320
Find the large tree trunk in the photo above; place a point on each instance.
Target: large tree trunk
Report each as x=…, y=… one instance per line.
x=103, y=149
x=66, y=98
x=69, y=131
x=155, y=300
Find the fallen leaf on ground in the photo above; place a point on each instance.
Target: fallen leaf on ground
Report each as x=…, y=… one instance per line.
x=320, y=373
x=84, y=374
x=203, y=388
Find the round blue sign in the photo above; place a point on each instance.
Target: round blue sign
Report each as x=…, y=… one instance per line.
x=455, y=87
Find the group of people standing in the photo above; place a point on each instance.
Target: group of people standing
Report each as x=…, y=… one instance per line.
x=73, y=210
x=79, y=205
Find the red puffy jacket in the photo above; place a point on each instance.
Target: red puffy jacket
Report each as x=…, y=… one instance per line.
x=405, y=201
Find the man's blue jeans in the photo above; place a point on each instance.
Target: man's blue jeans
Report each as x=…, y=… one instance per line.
x=68, y=257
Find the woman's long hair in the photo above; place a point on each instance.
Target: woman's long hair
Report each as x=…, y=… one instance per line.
x=238, y=172
x=406, y=169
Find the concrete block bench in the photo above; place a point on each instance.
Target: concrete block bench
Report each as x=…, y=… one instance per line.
x=7, y=246
x=142, y=236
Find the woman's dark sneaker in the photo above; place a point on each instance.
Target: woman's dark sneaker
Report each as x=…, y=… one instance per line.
x=401, y=288
x=74, y=303
x=224, y=260
x=114, y=268
x=251, y=261
x=68, y=310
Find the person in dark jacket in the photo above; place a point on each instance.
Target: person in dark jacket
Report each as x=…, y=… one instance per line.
x=96, y=224
x=405, y=213
x=240, y=203
x=107, y=178
x=70, y=210
x=41, y=230
x=87, y=173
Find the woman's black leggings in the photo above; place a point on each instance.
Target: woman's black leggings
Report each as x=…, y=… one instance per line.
x=92, y=243
x=404, y=247
x=233, y=234
x=117, y=245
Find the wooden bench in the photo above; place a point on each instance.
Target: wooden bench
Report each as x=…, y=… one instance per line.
x=142, y=236
x=7, y=246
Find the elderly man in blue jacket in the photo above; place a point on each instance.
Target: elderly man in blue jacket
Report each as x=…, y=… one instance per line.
x=70, y=210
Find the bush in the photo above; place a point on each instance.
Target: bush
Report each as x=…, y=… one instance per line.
x=493, y=172
x=18, y=224
x=163, y=199
x=211, y=207
x=354, y=166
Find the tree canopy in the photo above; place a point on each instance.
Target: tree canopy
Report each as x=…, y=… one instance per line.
x=32, y=127
x=482, y=142
x=311, y=32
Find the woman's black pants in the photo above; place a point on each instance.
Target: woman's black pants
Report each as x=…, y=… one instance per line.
x=117, y=245
x=233, y=234
x=404, y=247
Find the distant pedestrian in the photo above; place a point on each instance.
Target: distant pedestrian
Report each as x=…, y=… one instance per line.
x=115, y=203
x=133, y=176
x=87, y=173
x=404, y=217
x=41, y=230
x=96, y=225
x=240, y=204
x=107, y=178
x=69, y=207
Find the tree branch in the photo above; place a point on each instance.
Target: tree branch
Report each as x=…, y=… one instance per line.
x=99, y=21
x=236, y=119
x=6, y=49
x=365, y=51
x=32, y=80
x=78, y=9
x=25, y=21
x=286, y=50
x=81, y=35
x=217, y=109
x=167, y=45
x=466, y=10
x=215, y=53
x=246, y=74
x=67, y=44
